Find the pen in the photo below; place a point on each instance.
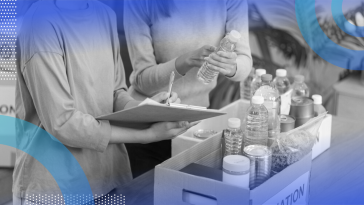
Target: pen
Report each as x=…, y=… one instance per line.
x=171, y=79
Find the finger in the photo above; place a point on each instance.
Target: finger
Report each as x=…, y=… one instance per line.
x=179, y=131
x=193, y=124
x=216, y=57
x=160, y=96
x=229, y=55
x=207, y=50
x=178, y=101
x=220, y=65
x=175, y=125
x=173, y=97
x=220, y=70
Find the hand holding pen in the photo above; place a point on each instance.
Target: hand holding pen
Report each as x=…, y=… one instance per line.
x=167, y=97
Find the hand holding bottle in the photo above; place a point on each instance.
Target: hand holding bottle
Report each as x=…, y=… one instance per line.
x=193, y=59
x=223, y=62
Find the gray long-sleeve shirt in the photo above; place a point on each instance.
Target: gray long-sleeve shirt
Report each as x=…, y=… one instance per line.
x=69, y=72
x=154, y=45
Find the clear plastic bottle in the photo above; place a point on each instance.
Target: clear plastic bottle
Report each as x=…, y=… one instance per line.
x=245, y=86
x=299, y=88
x=227, y=44
x=257, y=81
x=281, y=82
x=272, y=103
x=233, y=136
x=317, y=105
x=256, y=129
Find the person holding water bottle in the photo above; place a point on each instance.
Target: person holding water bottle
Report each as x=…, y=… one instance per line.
x=180, y=36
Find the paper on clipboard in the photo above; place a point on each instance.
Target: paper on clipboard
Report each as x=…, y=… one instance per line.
x=149, y=111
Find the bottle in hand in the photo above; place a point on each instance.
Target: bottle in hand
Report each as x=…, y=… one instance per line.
x=233, y=136
x=272, y=103
x=317, y=105
x=256, y=129
x=257, y=81
x=299, y=88
x=281, y=82
x=206, y=75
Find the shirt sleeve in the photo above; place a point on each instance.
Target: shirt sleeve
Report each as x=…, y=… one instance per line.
x=237, y=19
x=148, y=76
x=121, y=95
x=46, y=79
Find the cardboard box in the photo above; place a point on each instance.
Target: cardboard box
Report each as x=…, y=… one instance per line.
x=238, y=109
x=289, y=187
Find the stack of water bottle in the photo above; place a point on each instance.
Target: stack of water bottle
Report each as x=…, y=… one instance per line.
x=252, y=142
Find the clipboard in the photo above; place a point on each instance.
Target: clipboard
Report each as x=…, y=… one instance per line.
x=149, y=112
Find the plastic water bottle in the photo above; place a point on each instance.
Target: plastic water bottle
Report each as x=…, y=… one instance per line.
x=233, y=137
x=256, y=129
x=299, y=88
x=227, y=44
x=245, y=86
x=317, y=105
x=257, y=81
x=281, y=82
x=272, y=103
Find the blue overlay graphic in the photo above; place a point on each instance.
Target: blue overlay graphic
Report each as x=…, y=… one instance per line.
x=303, y=14
x=49, y=158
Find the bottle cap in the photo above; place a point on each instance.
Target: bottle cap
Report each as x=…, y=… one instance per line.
x=299, y=78
x=234, y=123
x=281, y=73
x=317, y=99
x=236, y=163
x=266, y=77
x=257, y=100
x=259, y=72
x=234, y=36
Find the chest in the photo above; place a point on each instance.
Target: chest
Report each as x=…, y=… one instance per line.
x=193, y=23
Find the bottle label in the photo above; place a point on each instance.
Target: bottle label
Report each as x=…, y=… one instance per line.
x=235, y=172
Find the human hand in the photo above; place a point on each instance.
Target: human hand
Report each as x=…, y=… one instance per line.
x=193, y=59
x=223, y=62
x=163, y=96
x=168, y=130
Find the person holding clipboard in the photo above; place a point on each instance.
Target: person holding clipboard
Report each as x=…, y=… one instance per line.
x=180, y=35
x=69, y=72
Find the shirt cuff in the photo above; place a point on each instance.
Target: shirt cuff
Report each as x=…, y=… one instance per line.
x=105, y=138
x=240, y=68
x=172, y=64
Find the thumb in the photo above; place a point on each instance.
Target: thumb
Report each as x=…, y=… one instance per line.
x=160, y=97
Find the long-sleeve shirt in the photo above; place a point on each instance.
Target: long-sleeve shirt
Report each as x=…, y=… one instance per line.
x=154, y=45
x=69, y=73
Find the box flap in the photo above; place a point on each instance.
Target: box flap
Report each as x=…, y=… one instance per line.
x=193, y=154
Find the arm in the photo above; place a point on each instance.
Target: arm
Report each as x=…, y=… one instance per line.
x=234, y=65
x=237, y=19
x=148, y=76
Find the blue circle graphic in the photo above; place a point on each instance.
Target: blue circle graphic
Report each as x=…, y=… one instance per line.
x=337, y=13
x=68, y=182
x=314, y=35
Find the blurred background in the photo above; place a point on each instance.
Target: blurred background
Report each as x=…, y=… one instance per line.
x=276, y=42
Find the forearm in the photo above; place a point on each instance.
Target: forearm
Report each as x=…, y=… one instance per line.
x=182, y=65
x=151, y=80
x=127, y=135
x=243, y=68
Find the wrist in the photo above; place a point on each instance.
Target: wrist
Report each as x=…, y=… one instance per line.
x=149, y=136
x=183, y=64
